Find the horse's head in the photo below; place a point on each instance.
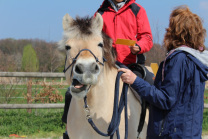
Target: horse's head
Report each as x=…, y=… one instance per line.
x=86, y=50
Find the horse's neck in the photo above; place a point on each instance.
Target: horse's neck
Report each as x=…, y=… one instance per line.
x=102, y=95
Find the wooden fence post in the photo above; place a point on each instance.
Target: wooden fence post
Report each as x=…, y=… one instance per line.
x=29, y=94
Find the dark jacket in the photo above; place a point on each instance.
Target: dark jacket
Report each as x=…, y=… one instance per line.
x=177, y=102
x=129, y=22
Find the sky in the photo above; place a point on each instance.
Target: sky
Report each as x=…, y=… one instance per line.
x=42, y=19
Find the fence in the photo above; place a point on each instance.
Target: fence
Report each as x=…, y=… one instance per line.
x=36, y=75
x=28, y=76
x=41, y=106
x=33, y=75
x=31, y=106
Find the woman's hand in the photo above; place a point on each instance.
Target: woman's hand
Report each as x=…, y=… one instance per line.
x=128, y=76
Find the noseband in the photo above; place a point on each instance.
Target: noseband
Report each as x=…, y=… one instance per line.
x=75, y=59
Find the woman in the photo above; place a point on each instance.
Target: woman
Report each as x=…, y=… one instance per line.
x=176, y=98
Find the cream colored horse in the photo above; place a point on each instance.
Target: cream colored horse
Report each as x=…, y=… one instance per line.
x=88, y=77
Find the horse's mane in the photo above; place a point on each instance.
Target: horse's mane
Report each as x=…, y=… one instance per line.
x=109, y=51
x=82, y=28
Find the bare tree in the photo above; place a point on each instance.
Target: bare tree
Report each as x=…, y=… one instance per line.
x=56, y=59
x=155, y=55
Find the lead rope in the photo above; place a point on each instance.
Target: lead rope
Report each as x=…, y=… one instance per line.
x=117, y=109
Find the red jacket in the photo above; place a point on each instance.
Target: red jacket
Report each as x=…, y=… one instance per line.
x=130, y=22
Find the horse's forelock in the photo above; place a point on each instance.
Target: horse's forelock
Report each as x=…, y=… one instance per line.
x=83, y=25
x=81, y=28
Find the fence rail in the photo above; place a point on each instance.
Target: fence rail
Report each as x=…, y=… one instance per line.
x=32, y=74
x=205, y=106
x=31, y=106
x=42, y=106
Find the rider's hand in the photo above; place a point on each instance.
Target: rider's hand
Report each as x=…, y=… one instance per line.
x=135, y=49
x=128, y=76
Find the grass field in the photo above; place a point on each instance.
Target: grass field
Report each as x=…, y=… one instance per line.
x=206, y=96
x=41, y=123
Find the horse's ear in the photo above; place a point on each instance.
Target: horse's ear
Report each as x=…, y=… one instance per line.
x=67, y=20
x=97, y=22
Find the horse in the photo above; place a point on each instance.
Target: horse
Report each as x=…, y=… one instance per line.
x=90, y=70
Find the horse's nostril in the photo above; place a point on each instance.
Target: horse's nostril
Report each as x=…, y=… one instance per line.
x=79, y=69
x=95, y=68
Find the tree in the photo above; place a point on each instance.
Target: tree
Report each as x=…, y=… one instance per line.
x=30, y=62
x=11, y=52
x=55, y=59
x=51, y=58
x=155, y=55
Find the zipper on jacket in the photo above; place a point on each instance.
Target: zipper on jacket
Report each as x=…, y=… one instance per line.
x=162, y=125
x=115, y=26
x=162, y=128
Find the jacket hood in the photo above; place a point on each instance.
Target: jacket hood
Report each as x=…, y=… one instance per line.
x=199, y=58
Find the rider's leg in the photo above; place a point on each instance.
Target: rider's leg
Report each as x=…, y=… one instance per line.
x=68, y=98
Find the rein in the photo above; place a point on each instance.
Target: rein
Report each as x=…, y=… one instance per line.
x=117, y=109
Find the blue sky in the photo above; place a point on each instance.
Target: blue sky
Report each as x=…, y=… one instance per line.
x=42, y=19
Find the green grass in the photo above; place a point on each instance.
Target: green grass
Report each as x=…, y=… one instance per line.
x=40, y=123
x=205, y=122
x=206, y=95
x=205, y=116
x=43, y=123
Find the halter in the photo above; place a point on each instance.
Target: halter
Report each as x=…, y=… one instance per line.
x=75, y=59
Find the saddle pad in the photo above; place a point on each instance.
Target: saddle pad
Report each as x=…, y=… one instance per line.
x=136, y=95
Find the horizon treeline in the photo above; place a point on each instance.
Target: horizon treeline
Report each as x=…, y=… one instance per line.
x=50, y=58
x=46, y=57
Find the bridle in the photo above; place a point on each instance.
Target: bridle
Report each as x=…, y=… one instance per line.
x=75, y=59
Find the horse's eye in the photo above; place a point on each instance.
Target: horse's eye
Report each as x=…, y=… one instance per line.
x=67, y=47
x=100, y=44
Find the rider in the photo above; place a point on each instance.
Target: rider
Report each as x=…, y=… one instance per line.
x=124, y=19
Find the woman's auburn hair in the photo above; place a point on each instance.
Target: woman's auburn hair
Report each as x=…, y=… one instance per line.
x=185, y=28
